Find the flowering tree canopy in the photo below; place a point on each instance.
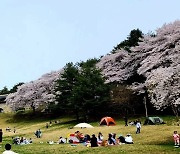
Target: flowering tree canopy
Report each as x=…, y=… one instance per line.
x=35, y=93
x=156, y=59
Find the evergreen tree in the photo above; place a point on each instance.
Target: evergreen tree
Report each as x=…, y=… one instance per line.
x=64, y=87
x=4, y=91
x=15, y=87
x=81, y=89
x=94, y=93
x=131, y=41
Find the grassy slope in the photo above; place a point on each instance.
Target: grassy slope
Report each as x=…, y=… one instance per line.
x=153, y=139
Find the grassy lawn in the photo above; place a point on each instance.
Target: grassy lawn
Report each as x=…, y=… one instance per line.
x=153, y=139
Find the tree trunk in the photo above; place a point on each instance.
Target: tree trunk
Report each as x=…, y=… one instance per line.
x=145, y=105
x=175, y=110
x=145, y=102
x=77, y=115
x=33, y=107
x=85, y=118
x=126, y=117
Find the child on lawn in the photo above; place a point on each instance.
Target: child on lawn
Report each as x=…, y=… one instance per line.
x=176, y=138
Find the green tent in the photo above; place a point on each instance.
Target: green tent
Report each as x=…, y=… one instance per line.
x=153, y=121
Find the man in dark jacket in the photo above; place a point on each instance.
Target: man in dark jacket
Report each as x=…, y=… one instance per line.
x=94, y=141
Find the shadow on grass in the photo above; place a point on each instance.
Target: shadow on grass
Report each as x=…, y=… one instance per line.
x=28, y=117
x=167, y=142
x=38, y=117
x=64, y=124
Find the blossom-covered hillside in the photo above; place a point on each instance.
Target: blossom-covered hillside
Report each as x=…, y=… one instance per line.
x=156, y=60
x=35, y=93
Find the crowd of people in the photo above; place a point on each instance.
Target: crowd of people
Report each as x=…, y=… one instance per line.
x=21, y=141
x=112, y=140
x=87, y=140
x=94, y=141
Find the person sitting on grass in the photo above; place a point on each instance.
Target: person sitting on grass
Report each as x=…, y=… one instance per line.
x=114, y=138
x=121, y=139
x=176, y=138
x=93, y=141
x=79, y=135
x=104, y=143
x=129, y=139
x=111, y=140
x=30, y=140
x=50, y=142
x=50, y=123
x=8, y=129
x=62, y=140
x=8, y=149
x=22, y=140
x=16, y=140
x=87, y=138
x=131, y=123
x=100, y=138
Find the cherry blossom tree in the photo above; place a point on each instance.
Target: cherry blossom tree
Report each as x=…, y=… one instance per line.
x=157, y=59
x=154, y=65
x=35, y=94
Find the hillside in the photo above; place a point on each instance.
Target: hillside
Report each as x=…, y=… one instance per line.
x=153, y=65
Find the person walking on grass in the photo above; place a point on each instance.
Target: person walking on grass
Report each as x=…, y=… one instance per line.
x=47, y=125
x=126, y=120
x=14, y=130
x=138, y=126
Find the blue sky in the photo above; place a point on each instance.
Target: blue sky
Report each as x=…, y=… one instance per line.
x=40, y=36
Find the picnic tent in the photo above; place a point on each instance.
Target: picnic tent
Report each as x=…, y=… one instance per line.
x=83, y=125
x=153, y=121
x=107, y=121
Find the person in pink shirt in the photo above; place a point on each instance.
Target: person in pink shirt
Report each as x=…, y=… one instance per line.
x=176, y=138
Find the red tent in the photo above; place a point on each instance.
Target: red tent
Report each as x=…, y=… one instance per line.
x=107, y=121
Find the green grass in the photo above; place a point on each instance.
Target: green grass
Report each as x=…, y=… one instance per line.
x=153, y=139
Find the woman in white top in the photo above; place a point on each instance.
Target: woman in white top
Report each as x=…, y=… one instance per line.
x=129, y=139
x=100, y=137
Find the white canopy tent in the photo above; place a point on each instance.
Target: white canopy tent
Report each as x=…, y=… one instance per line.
x=83, y=125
